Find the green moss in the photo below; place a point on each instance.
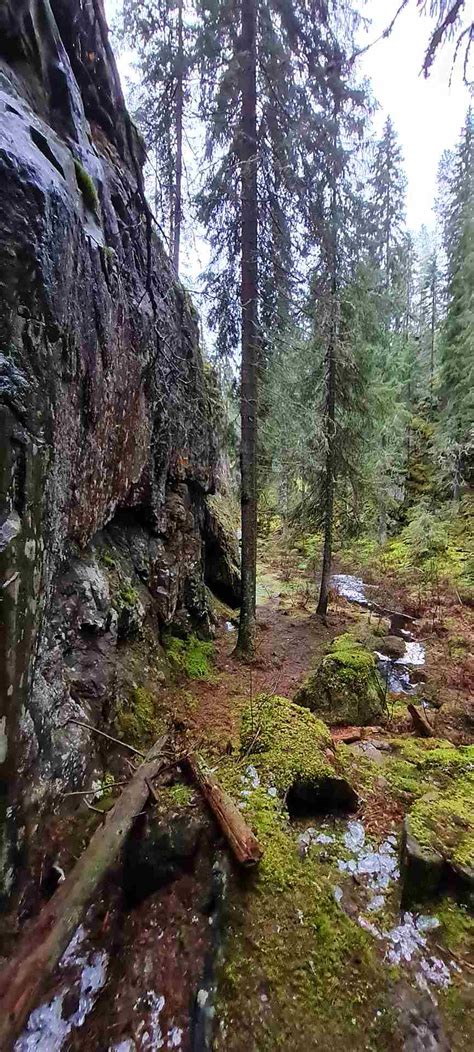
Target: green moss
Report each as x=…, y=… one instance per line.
x=86, y=185
x=108, y=559
x=286, y=938
x=288, y=741
x=445, y=821
x=136, y=719
x=345, y=688
x=457, y=926
x=127, y=595
x=435, y=754
x=191, y=656
x=179, y=795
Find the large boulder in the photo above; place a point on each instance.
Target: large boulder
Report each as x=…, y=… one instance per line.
x=345, y=688
x=222, y=556
x=292, y=752
x=438, y=842
x=392, y=646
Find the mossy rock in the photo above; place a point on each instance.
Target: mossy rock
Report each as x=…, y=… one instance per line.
x=191, y=657
x=136, y=720
x=291, y=750
x=438, y=842
x=345, y=688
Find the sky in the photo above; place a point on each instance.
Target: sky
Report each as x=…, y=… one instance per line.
x=427, y=114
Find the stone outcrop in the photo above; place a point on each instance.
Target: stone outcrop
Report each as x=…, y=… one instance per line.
x=104, y=415
x=345, y=688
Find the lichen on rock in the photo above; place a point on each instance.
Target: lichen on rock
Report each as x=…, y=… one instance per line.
x=345, y=688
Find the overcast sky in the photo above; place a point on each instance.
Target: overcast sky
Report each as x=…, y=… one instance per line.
x=427, y=114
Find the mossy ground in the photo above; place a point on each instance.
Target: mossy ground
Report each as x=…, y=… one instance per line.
x=445, y=821
x=297, y=972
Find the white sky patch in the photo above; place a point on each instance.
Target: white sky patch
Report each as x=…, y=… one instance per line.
x=427, y=114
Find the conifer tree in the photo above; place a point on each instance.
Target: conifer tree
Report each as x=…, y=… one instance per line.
x=457, y=345
x=165, y=55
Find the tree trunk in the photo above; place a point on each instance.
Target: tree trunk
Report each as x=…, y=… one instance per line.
x=433, y=330
x=177, y=205
x=46, y=938
x=248, y=298
x=238, y=834
x=329, y=480
x=330, y=409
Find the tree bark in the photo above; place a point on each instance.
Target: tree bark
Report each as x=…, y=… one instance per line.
x=329, y=479
x=177, y=204
x=330, y=409
x=248, y=299
x=239, y=836
x=46, y=938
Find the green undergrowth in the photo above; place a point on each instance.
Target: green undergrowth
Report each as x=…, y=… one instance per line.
x=136, y=719
x=179, y=795
x=435, y=547
x=191, y=657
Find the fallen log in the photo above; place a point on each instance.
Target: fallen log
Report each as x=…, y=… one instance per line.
x=239, y=836
x=46, y=938
x=420, y=723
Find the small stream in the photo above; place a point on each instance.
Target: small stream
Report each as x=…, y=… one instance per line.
x=395, y=671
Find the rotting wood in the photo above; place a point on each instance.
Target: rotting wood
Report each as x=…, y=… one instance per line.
x=242, y=841
x=420, y=723
x=46, y=938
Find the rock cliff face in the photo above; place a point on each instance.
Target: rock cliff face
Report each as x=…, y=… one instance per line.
x=105, y=414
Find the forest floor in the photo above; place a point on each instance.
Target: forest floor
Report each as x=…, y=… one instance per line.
x=311, y=949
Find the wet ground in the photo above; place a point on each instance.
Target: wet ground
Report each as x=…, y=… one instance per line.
x=142, y=978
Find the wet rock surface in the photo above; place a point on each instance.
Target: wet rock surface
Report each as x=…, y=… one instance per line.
x=104, y=416
x=158, y=851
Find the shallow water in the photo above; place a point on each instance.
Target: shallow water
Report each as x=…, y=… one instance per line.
x=394, y=672
x=350, y=587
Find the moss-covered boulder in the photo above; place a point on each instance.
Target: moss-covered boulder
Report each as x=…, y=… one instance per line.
x=345, y=688
x=292, y=752
x=438, y=841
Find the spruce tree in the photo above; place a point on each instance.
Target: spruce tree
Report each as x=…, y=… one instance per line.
x=456, y=437
x=165, y=55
